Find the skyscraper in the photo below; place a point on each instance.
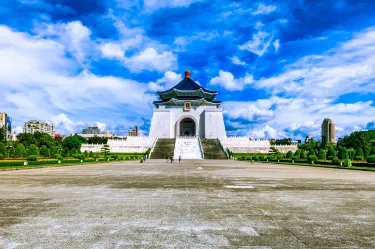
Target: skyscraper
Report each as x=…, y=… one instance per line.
x=328, y=131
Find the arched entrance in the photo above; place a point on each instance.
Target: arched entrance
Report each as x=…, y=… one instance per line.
x=187, y=127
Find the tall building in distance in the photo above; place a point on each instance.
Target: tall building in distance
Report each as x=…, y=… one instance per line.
x=91, y=130
x=134, y=132
x=33, y=126
x=6, y=122
x=328, y=131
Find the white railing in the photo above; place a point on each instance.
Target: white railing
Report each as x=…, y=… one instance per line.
x=225, y=151
x=200, y=146
x=152, y=148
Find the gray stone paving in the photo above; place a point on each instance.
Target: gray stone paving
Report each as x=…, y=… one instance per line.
x=198, y=204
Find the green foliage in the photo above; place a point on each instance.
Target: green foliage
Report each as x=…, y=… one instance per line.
x=256, y=157
x=73, y=142
x=91, y=154
x=270, y=157
x=335, y=160
x=97, y=140
x=115, y=157
x=33, y=150
x=322, y=155
x=312, y=158
x=3, y=134
x=105, y=149
x=331, y=153
x=372, y=151
x=20, y=151
x=359, y=154
x=303, y=155
x=81, y=157
x=60, y=158
x=298, y=153
x=230, y=153
x=1, y=156
x=289, y=154
x=295, y=158
x=358, y=139
x=3, y=150
x=371, y=159
x=274, y=150
x=44, y=151
x=343, y=153
x=26, y=139
x=32, y=158
x=311, y=152
x=367, y=152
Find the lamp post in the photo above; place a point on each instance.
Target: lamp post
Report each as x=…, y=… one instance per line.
x=8, y=148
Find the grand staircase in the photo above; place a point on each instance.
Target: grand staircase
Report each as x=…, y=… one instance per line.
x=212, y=149
x=188, y=148
x=163, y=147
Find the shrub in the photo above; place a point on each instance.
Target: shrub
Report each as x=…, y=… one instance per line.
x=262, y=158
x=126, y=158
x=270, y=157
x=371, y=159
x=289, y=154
x=243, y=158
x=343, y=153
x=322, y=154
x=359, y=158
x=3, y=150
x=295, y=158
x=248, y=158
x=20, y=151
x=359, y=154
x=303, y=155
x=1, y=156
x=44, y=151
x=115, y=157
x=330, y=157
x=335, y=160
x=311, y=152
x=33, y=150
x=32, y=158
x=331, y=153
x=312, y=158
x=60, y=158
x=297, y=153
x=256, y=157
x=81, y=157
x=366, y=152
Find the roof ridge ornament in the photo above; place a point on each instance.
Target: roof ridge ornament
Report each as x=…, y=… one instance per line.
x=187, y=74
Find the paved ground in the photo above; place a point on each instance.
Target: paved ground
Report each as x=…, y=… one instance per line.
x=198, y=204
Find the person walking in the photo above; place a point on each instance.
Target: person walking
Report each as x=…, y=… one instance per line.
x=179, y=159
x=166, y=158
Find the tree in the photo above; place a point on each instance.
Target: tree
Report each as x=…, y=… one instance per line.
x=33, y=150
x=303, y=155
x=20, y=151
x=97, y=140
x=74, y=142
x=289, y=154
x=311, y=152
x=343, y=153
x=372, y=151
x=358, y=139
x=322, y=155
x=3, y=150
x=359, y=154
x=366, y=152
x=3, y=134
x=44, y=151
x=105, y=149
x=26, y=139
x=297, y=153
x=331, y=153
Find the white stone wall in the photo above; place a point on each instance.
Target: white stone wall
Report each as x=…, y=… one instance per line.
x=209, y=121
x=132, y=144
x=245, y=145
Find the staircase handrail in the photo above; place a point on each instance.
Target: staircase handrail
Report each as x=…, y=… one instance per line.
x=152, y=148
x=200, y=147
x=226, y=153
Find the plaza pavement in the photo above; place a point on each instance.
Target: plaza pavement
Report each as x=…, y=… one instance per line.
x=198, y=204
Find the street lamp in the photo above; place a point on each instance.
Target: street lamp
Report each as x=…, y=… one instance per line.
x=8, y=148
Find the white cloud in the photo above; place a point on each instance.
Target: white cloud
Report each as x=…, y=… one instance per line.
x=237, y=61
x=152, y=5
x=265, y=132
x=276, y=45
x=169, y=80
x=348, y=68
x=259, y=44
x=150, y=59
x=40, y=81
x=264, y=9
x=66, y=126
x=227, y=81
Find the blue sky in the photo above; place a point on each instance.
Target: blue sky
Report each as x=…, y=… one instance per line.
x=280, y=67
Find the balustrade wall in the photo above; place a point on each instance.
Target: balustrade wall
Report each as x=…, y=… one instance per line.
x=138, y=144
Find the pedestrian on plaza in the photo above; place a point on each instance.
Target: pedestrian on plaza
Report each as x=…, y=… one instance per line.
x=179, y=159
x=166, y=158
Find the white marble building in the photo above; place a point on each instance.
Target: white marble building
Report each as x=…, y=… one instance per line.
x=187, y=109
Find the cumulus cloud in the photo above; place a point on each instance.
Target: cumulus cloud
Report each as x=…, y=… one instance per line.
x=169, y=80
x=264, y=9
x=40, y=80
x=152, y=5
x=237, y=61
x=227, y=81
x=65, y=125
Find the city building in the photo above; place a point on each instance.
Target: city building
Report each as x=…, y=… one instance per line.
x=328, y=131
x=6, y=122
x=91, y=130
x=134, y=132
x=33, y=126
x=309, y=139
x=187, y=109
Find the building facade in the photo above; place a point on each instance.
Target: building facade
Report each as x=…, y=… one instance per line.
x=187, y=109
x=91, y=130
x=134, y=132
x=6, y=123
x=33, y=126
x=328, y=131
